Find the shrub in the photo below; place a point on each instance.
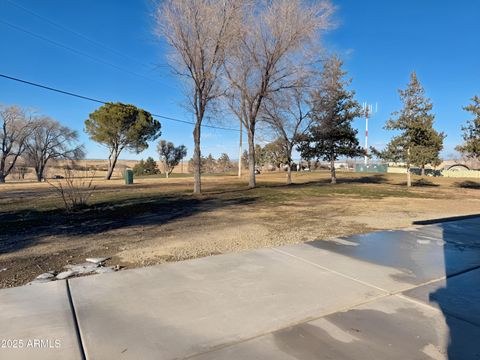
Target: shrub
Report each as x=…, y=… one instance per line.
x=74, y=192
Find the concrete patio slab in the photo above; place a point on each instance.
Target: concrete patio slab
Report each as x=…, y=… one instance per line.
x=388, y=328
x=181, y=309
x=398, y=260
x=36, y=322
x=457, y=296
x=321, y=300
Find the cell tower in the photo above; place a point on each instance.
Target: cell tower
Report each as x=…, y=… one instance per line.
x=368, y=111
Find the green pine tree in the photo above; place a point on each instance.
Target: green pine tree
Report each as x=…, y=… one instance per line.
x=223, y=163
x=139, y=168
x=471, y=132
x=150, y=166
x=333, y=109
x=418, y=142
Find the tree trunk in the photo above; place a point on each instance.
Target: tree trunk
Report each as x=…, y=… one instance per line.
x=409, y=176
x=251, y=159
x=240, y=152
x=289, y=173
x=332, y=172
x=3, y=175
x=111, y=164
x=197, y=161
x=289, y=162
x=39, y=172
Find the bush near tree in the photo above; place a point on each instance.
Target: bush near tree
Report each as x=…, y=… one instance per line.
x=147, y=167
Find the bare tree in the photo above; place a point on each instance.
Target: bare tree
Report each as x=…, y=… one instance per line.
x=15, y=128
x=50, y=140
x=200, y=32
x=271, y=55
x=287, y=114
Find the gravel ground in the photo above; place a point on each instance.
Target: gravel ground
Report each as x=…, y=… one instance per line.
x=226, y=219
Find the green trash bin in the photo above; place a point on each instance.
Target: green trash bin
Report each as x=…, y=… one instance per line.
x=129, y=176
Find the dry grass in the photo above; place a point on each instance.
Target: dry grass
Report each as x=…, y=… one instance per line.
x=157, y=220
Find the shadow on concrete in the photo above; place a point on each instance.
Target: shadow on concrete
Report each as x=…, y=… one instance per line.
x=459, y=297
x=449, y=248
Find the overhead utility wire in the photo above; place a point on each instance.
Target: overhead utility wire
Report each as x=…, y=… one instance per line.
x=92, y=41
x=56, y=43
x=105, y=102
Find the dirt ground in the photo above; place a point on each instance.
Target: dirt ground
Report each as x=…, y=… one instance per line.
x=158, y=220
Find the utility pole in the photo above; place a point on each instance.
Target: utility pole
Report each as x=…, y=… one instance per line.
x=368, y=111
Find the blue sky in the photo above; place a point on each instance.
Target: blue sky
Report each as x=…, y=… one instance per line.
x=381, y=42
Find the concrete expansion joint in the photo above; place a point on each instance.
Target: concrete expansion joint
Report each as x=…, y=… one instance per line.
x=385, y=294
x=75, y=321
x=332, y=271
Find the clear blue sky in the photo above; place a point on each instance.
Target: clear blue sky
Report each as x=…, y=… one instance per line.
x=380, y=41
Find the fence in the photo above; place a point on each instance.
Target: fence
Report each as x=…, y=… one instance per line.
x=378, y=168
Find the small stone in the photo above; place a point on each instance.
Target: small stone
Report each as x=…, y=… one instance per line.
x=84, y=268
x=105, y=270
x=65, y=274
x=97, y=260
x=44, y=276
x=3, y=269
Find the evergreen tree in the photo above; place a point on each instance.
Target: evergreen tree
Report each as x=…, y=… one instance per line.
x=418, y=143
x=471, y=132
x=333, y=110
x=121, y=126
x=245, y=159
x=276, y=153
x=209, y=164
x=139, y=168
x=151, y=167
x=260, y=156
x=224, y=164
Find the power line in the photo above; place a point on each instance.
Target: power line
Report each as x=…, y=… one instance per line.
x=78, y=52
x=90, y=40
x=83, y=97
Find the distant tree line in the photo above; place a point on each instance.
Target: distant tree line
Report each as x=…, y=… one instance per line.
x=211, y=165
x=36, y=140
x=262, y=63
